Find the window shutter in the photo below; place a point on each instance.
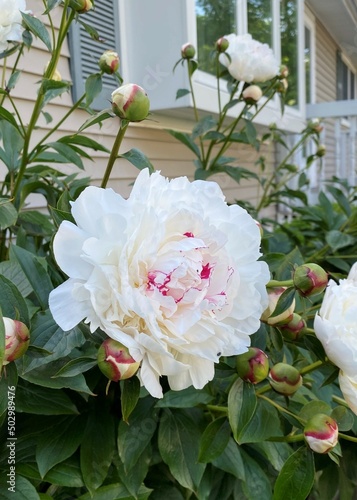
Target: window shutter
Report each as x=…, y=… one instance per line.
x=85, y=52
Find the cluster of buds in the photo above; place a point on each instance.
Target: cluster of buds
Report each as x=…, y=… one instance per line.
x=252, y=94
x=109, y=62
x=130, y=102
x=321, y=433
x=285, y=379
x=115, y=361
x=310, y=279
x=80, y=6
x=253, y=365
x=285, y=317
x=17, y=339
x=188, y=51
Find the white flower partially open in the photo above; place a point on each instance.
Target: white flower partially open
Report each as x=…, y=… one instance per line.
x=250, y=60
x=171, y=273
x=10, y=22
x=336, y=328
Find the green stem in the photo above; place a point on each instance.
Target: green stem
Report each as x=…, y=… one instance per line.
x=221, y=409
x=18, y=116
x=195, y=110
x=340, y=401
x=347, y=438
x=281, y=408
x=114, y=152
x=287, y=439
x=312, y=367
x=276, y=283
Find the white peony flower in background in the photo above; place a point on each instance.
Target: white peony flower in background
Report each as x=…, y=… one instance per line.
x=336, y=328
x=171, y=273
x=250, y=60
x=10, y=22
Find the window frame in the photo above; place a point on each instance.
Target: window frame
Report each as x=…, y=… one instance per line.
x=310, y=24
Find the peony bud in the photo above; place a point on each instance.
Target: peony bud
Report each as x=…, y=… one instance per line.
x=130, y=102
x=252, y=94
x=284, y=72
x=222, y=44
x=109, y=62
x=294, y=330
x=17, y=339
x=285, y=379
x=282, y=86
x=321, y=433
x=310, y=279
x=188, y=51
x=115, y=361
x=321, y=151
x=315, y=125
x=273, y=297
x=80, y=6
x=253, y=366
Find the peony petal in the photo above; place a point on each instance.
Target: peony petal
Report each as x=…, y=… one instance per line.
x=66, y=311
x=349, y=390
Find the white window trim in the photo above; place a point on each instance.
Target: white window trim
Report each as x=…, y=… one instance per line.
x=310, y=23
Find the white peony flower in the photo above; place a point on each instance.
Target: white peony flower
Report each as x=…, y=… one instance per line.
x=250, y=60
x=171, y=273
x=336, y=328
x=10, y=22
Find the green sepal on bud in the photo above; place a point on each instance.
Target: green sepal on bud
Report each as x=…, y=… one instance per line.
x=321, y=433
x=253, y=365
x=17, y=339
x=188, y=51
x=285, y=379
x=115, y=361
x=295, y=329
x=80, y=6
x=130, y=102
x=221, y=44
x=109, y=62
x=310, y=279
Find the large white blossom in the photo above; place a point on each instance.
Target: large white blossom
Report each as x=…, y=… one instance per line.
x=250, y=60
x=10, y=22
x=336, y=328
x=171, y=273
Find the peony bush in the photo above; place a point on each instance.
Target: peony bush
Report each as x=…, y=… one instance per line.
x=168, y=344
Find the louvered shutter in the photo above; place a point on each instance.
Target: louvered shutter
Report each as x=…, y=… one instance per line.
x=85, y=52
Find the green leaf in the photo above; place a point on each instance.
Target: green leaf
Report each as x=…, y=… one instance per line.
x=7, y=380
x=6, y=115
x=35, y=273
x=135, y=436
x=97, y=118
x=256, y=484
x=231, y=460
x=8, y=214
x=43, y=401
x=52, y=4
x=343, y=417
x=130, y=392
x=67, y=473
x=337, y=239
x=93, y=87
x=67, y=152
x=76, y=366
x=284, y=302
x=275, y=452
x=42, y=376
x=251, y=133
x=82, y=140
x=134, y=478
x=214, y=440
x=182, y=93
x=264, y=424
x=206, y=123
x=97, y=447
x=212, y=135
x=58, y=441
x=296, y=478
x=242, y=403
x=116, y=492
x=52, y=89
x=37, y=28
x=313, y=407
x=92, y=32
x=186, y=398
x=21, y=490
x=13, y=304
x=186, y=140
x=13, y=80
x=12, y=142
x=138, y=159
x=178, y=444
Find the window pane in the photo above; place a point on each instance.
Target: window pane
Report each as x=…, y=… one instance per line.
x=339, y=76
x=289, y=46
x=260, y=21
x=344, y=81
x=352, y=85
x=307, y=61
x=215, y=18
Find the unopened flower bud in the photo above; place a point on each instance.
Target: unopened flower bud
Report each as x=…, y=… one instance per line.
x=252, y=94
x=109, y=62
x=17, y=339
x=321, y=433
x=282, y=86
x=130, y=102
x=188, y=51
x=294, y=329
x=285, y=379
x=310, y=279
x=222, y=44
x=253, y=366
x=284, y=72
x=80, y=6
x=321, y=151
x=115, y=361
x=273, y=297
x=315, y=125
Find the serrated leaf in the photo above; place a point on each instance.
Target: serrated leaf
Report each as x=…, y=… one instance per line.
x=296, y=478
x=214, y=440
x=138, y=159
x=37, y=28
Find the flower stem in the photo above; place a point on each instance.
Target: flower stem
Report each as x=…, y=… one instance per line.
x=287, y=439
x=274, y=283
x=195, y=110
x=347, y=437
x=281, y=408
x=312, y=367
x=114, y=153
x=221, y=409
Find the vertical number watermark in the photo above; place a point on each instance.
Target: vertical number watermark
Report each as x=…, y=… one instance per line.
x=11, y=439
